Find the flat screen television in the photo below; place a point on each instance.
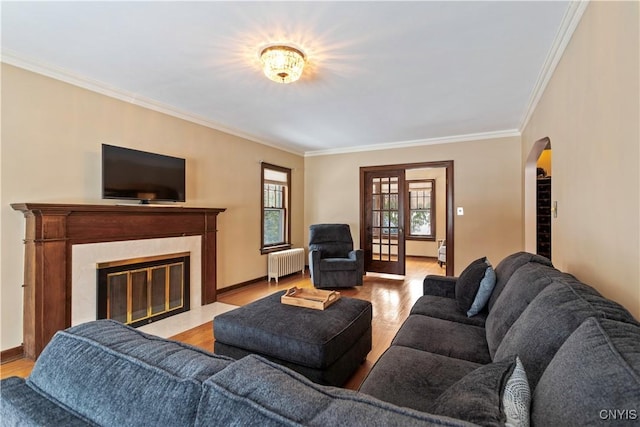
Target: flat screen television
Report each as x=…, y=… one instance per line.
x=129, y=174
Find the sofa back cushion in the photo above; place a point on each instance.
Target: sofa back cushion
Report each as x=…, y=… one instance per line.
x=111, y=374
x=254, y=391
x=525, y=284
x=505, y=269
x=594, y=378
x=550, y=319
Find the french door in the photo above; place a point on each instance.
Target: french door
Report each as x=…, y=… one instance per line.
x=382, y=221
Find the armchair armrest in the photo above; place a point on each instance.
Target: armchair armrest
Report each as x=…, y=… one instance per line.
x=314, y=266
x=358, y=256
x=441, y=286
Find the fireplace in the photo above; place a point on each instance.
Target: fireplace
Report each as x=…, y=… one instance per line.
x=54, y=231
x=141, y=290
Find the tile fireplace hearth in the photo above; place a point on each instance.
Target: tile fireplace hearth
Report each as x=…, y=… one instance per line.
x=53, y=229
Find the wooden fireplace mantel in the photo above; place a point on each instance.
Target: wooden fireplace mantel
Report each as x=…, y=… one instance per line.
x=51, y=231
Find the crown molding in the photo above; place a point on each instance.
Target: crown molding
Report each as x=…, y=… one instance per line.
x=568, y=25
x=417, y=143
x=9, y=57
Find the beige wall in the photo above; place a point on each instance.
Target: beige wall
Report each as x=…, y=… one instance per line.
x=51, y=136
x=590, y=111
x=487, y=179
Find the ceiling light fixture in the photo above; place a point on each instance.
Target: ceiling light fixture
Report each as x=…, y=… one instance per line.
x=282, y=64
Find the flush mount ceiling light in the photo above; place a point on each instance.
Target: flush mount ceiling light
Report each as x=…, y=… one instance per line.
x=282, y=64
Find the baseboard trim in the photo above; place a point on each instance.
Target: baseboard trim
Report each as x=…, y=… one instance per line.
x=241, y=285
x=422, y=257
x=249, y=282
x=11, y=354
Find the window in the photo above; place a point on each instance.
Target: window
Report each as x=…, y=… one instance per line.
x=421, y=212
x=276, y=199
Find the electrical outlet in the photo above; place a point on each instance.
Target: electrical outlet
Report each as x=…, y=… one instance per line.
x=460, y=211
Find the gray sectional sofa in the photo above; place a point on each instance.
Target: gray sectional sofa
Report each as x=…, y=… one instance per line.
x=107, y=374
x=580, y=352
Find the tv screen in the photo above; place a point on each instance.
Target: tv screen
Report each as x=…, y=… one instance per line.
x=138, y=175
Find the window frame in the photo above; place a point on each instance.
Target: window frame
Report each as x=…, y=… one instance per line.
x=286, y=244
x=432, y=210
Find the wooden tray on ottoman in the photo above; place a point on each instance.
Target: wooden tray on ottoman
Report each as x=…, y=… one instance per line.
x=310, y=298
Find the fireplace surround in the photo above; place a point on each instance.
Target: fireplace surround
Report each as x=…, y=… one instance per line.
x=53, y=229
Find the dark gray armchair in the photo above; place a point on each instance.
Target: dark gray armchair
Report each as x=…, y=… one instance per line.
x=332, y=261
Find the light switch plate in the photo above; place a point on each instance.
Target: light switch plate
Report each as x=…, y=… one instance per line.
x=460, y=211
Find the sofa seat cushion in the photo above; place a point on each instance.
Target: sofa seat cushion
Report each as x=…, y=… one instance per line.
x=594, y=378
x=112, y=374
x=413, y=378
x=444, y=337
x=338, y=264
x=282, y=397
x=447, y=309
x=525, y=284
x=549, y=320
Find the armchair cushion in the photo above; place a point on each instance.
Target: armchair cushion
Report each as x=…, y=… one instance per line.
x=332, y=240
x=338, y=264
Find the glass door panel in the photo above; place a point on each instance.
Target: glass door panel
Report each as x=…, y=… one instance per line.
x=384, y=239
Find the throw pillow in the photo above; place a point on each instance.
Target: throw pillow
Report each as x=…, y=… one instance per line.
x=516, y=400
x=487, y=284
x=477, y=396
x=468, y=283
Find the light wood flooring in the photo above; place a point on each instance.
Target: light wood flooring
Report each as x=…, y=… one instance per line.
x=391, y=297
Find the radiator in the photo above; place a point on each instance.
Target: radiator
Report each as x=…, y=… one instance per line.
x=285, y=262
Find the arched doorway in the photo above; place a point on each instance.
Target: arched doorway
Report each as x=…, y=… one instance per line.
x=537, y=209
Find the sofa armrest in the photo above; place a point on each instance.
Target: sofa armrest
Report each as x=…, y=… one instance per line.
x=440, y=286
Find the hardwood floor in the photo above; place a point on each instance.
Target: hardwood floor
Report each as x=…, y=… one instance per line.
x=390, y=296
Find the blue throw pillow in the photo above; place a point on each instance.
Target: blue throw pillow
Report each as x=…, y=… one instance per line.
x=487, y=284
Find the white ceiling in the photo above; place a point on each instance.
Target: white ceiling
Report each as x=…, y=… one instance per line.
x=378, y=72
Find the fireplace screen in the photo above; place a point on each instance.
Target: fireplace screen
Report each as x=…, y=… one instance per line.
x=140, y=291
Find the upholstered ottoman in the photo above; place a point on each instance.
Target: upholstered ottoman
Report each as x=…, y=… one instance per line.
x=326, y=346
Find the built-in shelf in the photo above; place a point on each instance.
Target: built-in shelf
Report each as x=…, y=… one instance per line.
x=51, y=231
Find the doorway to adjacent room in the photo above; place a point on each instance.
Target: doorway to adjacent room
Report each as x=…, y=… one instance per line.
x=395, y=209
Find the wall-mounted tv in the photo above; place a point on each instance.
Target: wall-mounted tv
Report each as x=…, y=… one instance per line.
x=138, y=175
